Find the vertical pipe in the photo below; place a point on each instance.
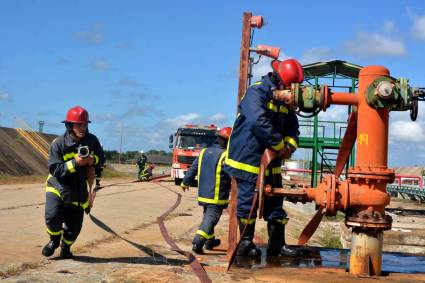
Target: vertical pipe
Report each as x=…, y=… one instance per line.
x=372, y=124
x=244, y=60
x=371, y=157
x=315, y=143
x=366, y=252
x=242, y=86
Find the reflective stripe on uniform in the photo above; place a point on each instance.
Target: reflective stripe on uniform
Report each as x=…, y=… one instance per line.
x=205, y=235
x=279, y=146
x=96, y=159
x=201, y=154
x=83, y=205
x=242, y=166
x=283, y=109
x=70, y=166
x=213, y=201
x=50, y=232
x=67, y=242
x=272, y=106
x=245, y=221
x=284, y=221
x=291, y=141
x=217, y=177
x=275, y=171
x=67, y=156
x=53, y=190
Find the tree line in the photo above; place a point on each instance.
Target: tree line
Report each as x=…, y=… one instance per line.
x=129, y=156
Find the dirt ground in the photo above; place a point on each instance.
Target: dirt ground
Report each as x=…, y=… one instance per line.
x=121, y=241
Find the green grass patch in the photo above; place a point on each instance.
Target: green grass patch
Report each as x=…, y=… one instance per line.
x=330, y=239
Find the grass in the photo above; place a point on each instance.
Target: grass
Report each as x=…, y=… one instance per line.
x=6, y=179
x=329, y=238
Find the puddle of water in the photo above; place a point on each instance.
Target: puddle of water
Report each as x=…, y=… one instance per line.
x=338, y=258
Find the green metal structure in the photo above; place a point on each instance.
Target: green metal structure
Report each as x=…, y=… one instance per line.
x=324, y=138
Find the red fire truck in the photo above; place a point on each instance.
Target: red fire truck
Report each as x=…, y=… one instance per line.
x=186, y=143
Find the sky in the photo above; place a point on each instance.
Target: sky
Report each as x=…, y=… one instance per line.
x=144, y=68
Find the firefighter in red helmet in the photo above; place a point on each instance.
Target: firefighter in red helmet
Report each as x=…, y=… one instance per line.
x=213, y=192
x=263, y=121
x=66, y=186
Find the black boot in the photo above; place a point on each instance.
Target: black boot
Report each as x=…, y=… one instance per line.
x=246, y=246
x=198, y=244
x=66, y=251
x=275, y=230
x=277, y=244
x=51, y=246
x=212, y=243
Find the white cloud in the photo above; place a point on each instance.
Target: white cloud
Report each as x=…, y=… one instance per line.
x=388, y=26
x=375, y=44
x=93, y=35
x=100, y=65
x=407, y=131
x=316, y=54
x=4, y=96
x=190, y=118
x=418, y=29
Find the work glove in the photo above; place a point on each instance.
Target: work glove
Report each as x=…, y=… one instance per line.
x=287, y=151
x=184, y=187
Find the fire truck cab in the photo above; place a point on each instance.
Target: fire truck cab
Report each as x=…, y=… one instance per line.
x=187, y=143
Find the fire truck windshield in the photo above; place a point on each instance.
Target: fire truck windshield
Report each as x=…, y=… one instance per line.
x=194, y=142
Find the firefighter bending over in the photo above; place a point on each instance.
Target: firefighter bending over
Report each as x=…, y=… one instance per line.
x=66, y=187
x=147, y=173
x=213, y=192
x=263, y=122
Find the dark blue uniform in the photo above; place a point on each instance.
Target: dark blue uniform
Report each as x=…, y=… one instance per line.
x=261, y=123
x=66, y=186
x=213, y=190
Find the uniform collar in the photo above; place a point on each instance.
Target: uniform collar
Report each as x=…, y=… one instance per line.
x=69, y=141
x=267, y=82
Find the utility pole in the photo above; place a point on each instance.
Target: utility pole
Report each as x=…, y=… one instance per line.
x=119, y=155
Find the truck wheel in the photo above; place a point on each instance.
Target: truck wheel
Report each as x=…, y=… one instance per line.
x=177, y=181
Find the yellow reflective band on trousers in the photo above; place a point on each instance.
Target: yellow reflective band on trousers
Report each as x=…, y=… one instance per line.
x=245, y=221
x=279, y=146
x=213, y=201
x=284, y=221
x=83, y=205
x=283, y=109
x=53, y=190
x=70, y=166
x=67, y=156
x=67, y=242
x=201, y=154
x=205, y=235
x=275, y=171
x=291, y=141
x=50, y=232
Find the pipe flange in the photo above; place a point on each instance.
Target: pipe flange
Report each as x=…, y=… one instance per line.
x=370, y=220
x=372, y=173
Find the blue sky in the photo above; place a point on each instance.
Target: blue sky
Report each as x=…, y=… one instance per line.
x=142, y=68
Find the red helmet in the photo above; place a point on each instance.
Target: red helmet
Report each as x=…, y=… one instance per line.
x=225, y=133
x=289, y=71
x=77, y=114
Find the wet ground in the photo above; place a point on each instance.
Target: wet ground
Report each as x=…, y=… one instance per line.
x=316, y=257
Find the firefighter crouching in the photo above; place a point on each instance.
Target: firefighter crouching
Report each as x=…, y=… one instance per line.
x=213, y=190
x=66, y=186
x=263, y=122
x=147, y=173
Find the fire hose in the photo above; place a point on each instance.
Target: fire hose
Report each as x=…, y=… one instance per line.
x=194, y=263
